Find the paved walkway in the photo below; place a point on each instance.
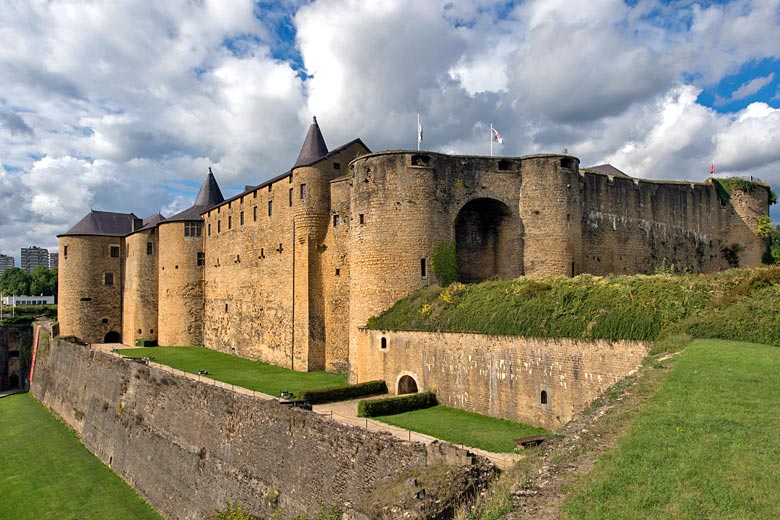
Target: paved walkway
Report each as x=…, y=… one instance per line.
x=6, y=393
x=344, y=412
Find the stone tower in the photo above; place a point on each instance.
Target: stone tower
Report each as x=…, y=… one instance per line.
x=181, y=262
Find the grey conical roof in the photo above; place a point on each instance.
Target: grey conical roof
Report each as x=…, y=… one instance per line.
x=209, y=194
x=104, y=223
x=313, y=148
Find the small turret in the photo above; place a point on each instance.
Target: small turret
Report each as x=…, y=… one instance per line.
x=314, y=147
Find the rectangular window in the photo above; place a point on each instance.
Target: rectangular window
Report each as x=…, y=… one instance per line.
x=270, y=207
x=193, y=229
x=269, y=188
x=254, y=194
x=336, y=166
x=209, y=229
x=362, y=219
x=219, y=226
x=113, y=251
x=108, y=278
x=149, y=248
x=254, y=213
x=65, y=251
x=242, y=218
x=423, y=270
x=201, y=260
x=336, y=220
x=338, y=272
x=242, y=199
x=291, y=196
x=230, y=221
x=303, y=192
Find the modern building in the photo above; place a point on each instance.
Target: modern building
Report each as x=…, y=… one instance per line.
x=33, y=257
x=54, y=260
x=6, y=262
x=16, y=300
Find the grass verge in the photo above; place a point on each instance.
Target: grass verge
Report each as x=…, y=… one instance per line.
x=461, y=427
x=238, y=371
x=45, y=472
x=705, y=446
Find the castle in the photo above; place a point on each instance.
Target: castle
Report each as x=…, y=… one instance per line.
x=290, y=270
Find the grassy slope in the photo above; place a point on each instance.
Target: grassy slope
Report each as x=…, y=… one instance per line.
x=705, y=446
x=461, y=427
x=246, y=373
x=45, y=472
x=613, y=307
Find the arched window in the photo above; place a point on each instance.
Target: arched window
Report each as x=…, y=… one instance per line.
x=544, y=397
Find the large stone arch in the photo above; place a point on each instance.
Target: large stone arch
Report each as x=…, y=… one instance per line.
x=488, y=241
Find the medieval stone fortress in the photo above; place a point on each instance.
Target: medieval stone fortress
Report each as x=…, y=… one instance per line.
x=290, y=271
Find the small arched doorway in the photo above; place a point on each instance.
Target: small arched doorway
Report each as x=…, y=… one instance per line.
x=113, y=337
x=407, y=385
x=488, y=241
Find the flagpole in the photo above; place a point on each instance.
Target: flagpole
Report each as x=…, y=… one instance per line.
x=418, y=132
x=491, y=139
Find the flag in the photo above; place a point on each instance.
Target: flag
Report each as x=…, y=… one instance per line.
x=419, y=131
x=495, y=136
x=712, y=170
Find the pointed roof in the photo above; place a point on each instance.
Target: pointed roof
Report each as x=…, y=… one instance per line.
x=103, y=223
x=313, y=148
x=209, y=196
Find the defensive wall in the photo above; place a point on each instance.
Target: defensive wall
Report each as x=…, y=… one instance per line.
x=188, y=447
x=538, y=381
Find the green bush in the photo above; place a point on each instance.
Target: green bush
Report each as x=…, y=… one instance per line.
x=146, y=343
x=343, y=393
x=444, y=263
x=394, y=405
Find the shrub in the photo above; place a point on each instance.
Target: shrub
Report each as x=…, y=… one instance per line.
x=146, y=343
x=343, y=393
x=394, y=405
x=444, y=263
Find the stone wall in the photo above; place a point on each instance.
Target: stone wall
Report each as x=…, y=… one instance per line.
x=188, y=447
x=87, y=306
x=14, y=347
x=498, y=375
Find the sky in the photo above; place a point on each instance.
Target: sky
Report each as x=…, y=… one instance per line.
x=123, y=105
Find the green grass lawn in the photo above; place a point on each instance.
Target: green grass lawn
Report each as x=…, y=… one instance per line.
x=45, y=472
x=707, y=445
x=238, y=371
x=461, y=427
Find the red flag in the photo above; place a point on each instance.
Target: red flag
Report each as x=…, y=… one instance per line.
x=712, y=170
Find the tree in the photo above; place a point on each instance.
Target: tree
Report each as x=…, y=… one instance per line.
x=14, y=281
x=43, y=281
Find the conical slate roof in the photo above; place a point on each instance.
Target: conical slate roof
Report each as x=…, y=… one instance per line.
x=314, y=147
x=209, y=196
x=104, y=223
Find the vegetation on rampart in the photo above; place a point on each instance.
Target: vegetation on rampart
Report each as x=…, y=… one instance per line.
x=735, y=304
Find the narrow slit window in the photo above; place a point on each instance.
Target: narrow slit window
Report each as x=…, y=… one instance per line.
x=242, y=218
x=423, y=270
x=230, y=221
x=336, y=220
x=362, y=218
x=303, y=192
x=149, y=248
x=219, y=226
x=338, y=272
x=209, y=229
x=201, y=259
x=254, y=213
x=383, y=343
x=291, y=197
x=270, y=208
x=65, y=251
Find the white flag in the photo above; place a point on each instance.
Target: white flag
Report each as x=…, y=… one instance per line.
x=419, y=131
x=496, y=136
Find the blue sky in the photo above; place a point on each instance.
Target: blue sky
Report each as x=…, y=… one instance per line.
x=123, y=106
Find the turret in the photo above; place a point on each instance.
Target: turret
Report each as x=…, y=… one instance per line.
x=181, y=262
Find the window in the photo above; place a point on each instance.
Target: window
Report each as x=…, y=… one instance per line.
x=544, y=397
x=201, y=260
x=219, y=226
x=362, y=219
x=303, y=192
x=65, y=251
x=193, y=228
x=242, y=218
x=113, y=251
x=289, y=179
x=242, y=199
x=254, y=194
x=383, y=344
x=423, y=271
x=254, y=213
x=336, y=166
x=270, y=207
x=108, y=278
x=338, y=272
x=336, y=220
x=149, y=248
x=209, y=229
x=269, y=188
x=230, y=221
x=291, y=196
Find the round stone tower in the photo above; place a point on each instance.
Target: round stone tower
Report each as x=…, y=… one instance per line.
x=91, y=276
x=745, y=205
x=139, y=298
x=181, y=261
x=551, y=210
